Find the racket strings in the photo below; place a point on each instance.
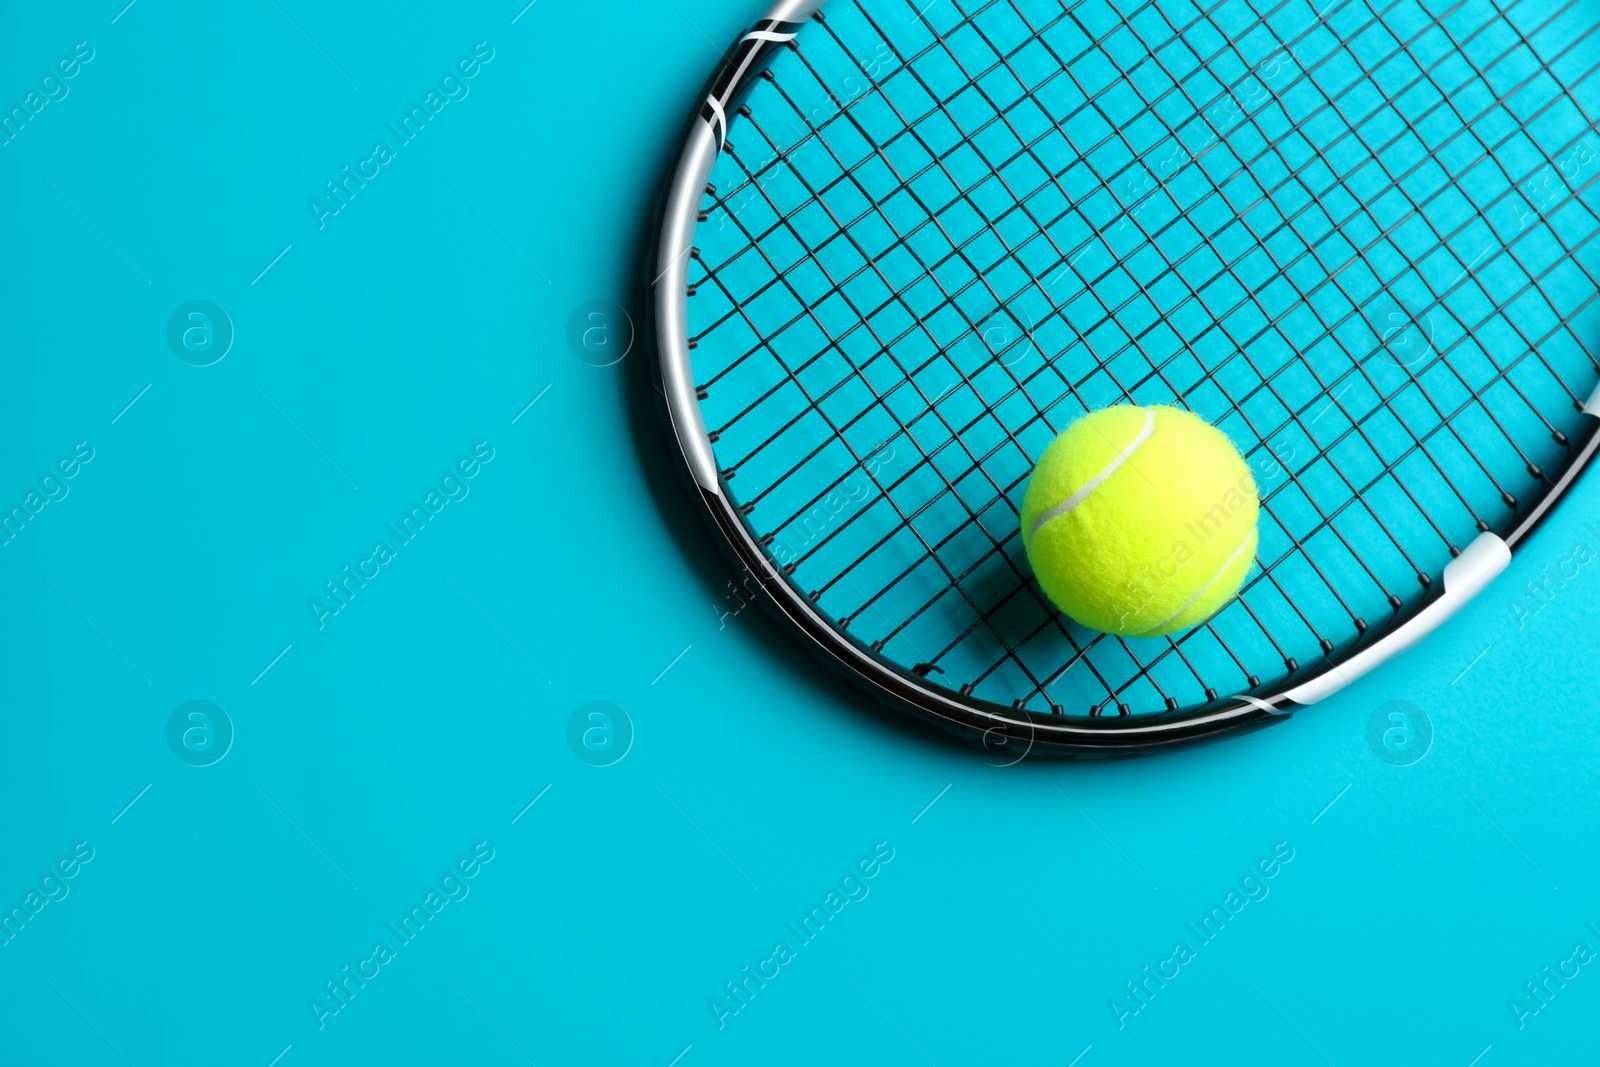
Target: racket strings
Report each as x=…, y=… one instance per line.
x=1396, y=183
x=1000, y=167
x=1133, y=207
x=997, y=545
x=983, y=612
x=754, y=177
x=1331, y=392
x=1439, y=300
x=907, y=520
x=838, y=286
x=1035, y=280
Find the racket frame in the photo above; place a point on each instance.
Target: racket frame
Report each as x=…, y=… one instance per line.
x=1016, y=731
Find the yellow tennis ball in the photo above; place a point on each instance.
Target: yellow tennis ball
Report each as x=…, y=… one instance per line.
x=1140, y=521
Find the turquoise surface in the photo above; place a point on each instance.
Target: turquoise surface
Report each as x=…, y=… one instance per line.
x=425, y=769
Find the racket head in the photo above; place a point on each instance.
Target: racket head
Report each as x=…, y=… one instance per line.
x=1398, y=341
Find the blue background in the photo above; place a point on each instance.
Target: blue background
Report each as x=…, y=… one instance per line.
x=373, y=753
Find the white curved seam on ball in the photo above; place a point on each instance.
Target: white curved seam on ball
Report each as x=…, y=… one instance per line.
x=1094, y=483
x=1220, y=572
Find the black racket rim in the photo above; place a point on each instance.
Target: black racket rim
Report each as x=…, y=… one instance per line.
x=1011, y=732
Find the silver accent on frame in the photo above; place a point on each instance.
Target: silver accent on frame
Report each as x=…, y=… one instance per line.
x=678, y=222
x=672, y=301
x=1464, y=577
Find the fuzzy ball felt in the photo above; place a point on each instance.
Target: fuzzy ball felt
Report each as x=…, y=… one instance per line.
x=1140, y=521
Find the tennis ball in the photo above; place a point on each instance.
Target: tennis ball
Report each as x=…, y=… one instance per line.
x=1140, y=521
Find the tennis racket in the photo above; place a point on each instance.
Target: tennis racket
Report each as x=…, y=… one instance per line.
x=907, y=242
